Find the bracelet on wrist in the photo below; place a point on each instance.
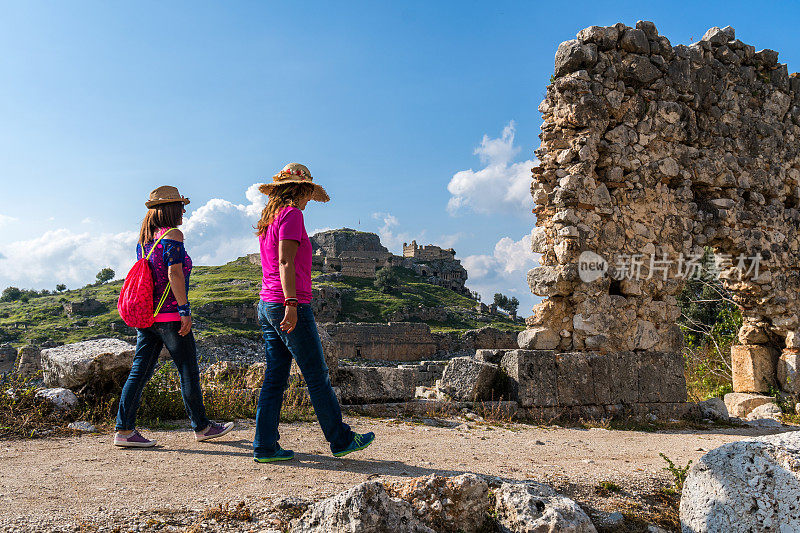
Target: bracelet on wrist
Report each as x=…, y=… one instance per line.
x=290, y=302
x=185, y=310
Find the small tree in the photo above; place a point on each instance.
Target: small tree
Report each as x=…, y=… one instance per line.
x=61, y=287
x=11, y=294
x=105, y=275
x=512, y=305
x=386, y=280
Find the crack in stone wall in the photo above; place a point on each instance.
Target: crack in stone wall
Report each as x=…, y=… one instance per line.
x=652, y=149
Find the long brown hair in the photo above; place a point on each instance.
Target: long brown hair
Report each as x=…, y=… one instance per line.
x=281, y=196
x=160, y=216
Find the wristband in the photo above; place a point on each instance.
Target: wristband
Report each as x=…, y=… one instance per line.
x=290, y=302
x=185, y=310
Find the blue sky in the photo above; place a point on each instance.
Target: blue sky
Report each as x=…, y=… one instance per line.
x=387, y=103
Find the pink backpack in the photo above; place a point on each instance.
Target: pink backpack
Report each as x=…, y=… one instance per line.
x=135, y=303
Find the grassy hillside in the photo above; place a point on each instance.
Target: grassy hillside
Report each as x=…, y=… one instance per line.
x=43, y=318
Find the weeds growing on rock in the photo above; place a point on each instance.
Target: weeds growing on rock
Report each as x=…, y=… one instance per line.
x=605, y=488
x=21, y=414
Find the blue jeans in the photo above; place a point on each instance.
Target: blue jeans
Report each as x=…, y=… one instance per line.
x=304, y=346
x=149, y=342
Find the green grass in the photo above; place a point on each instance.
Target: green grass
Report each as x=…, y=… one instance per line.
x=236, y=283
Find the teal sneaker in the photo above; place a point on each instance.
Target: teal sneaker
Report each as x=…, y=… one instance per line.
x=360, y=441
x=280, y=455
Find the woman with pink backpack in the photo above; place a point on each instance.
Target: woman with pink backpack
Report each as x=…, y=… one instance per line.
x=161, y=244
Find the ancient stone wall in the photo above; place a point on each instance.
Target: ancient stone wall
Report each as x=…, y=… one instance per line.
x=395, y=341
x=649, y=154
x=427, y=253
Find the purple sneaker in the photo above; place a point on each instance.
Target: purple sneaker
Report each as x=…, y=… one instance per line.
x=134, y=440
x=213, y=431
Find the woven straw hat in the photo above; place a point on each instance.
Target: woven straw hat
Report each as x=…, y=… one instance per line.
x=295, y=173
x=166, y=194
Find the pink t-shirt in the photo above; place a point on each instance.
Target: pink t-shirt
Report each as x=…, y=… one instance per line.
x=288, y=225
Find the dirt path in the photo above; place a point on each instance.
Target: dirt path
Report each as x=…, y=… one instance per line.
x=85, y=479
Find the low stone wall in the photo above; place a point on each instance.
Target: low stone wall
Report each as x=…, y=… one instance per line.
x=395, y=341
x=243, y=313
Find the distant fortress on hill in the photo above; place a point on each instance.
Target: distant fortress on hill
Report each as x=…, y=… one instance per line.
x=360, y=254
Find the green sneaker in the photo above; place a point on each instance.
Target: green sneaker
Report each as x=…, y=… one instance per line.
x=360, y=441
x=280, y=455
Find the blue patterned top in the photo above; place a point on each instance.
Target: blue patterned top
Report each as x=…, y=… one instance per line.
x=168, y=252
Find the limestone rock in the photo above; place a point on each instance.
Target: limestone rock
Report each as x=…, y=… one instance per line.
x=533, y=507
x=223, y=371
x=749, y=485
x=741, y=404
x=8, y=358
x=540, y=338
x=634, y=41
x=714, y=408
x=254, y=375
x=457, y=503
x=365, y=508
x=754, y=368
x=82, y=425
x=468, y=379
x=572, y=55
x=717, y=35
x=358, y=384
x=490, y=356
x=97, y=365
x=532, y=377
x=788, y=378
x=62, y=399
x=29, y=360
x=767, y=410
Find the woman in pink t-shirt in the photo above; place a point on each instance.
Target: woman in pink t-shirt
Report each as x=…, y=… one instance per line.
x=287, y=322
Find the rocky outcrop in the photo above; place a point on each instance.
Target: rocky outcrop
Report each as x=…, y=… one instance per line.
x=223, y=371
x=446, y=505
x=457, y=503
x=751, y=485
x=348, y=242
x=532, y=507
x=96, y=366
x=366, y=508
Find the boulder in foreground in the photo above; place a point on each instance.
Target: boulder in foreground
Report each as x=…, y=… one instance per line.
x=750, y=485
x=533, y=507
x=98, y=365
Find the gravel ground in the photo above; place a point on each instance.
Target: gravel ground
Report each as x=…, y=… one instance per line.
x=83, y=483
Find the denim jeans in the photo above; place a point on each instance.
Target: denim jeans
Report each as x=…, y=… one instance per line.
x=149, y=342
x=304, y=346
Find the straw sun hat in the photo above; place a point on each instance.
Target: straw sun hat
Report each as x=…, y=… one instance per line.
x=295, y=173
x=166, y=194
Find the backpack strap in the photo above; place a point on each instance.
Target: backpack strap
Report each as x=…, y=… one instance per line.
x=167, y=288
x=157, y=241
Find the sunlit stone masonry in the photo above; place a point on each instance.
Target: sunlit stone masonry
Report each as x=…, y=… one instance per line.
x=651, y=152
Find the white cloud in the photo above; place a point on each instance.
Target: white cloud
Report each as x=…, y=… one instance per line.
x=501, y=186
x=87, y=220
x=215, y=233
x=502, y=271
x=62, y=256
x=5, y=220
x=389, y=237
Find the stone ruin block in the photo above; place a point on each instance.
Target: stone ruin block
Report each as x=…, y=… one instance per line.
x=360, y=384
x=532, y=377
x=490, y=356
x=754, y=368
x=29, y=360
x=661, y=377
x=468, y=379
x=575, y=383
x=616, y=377
x=787, y=371
x=740, y=404
x=8, y=357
